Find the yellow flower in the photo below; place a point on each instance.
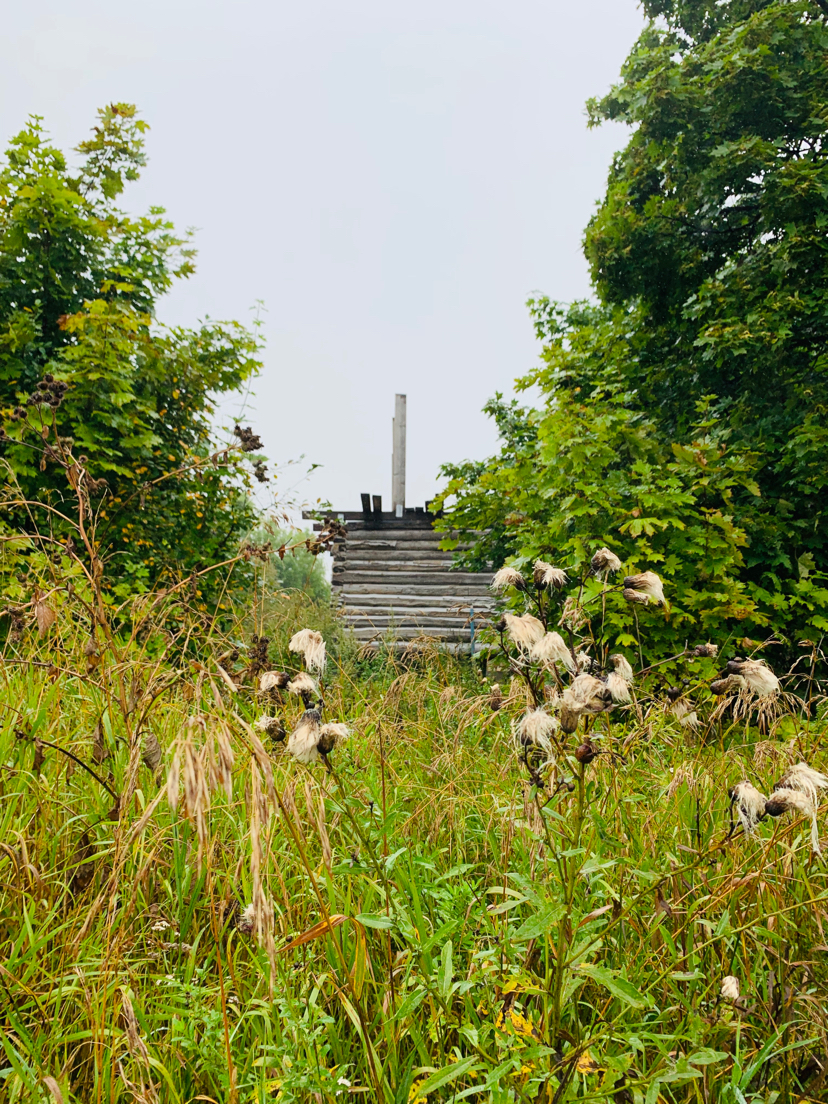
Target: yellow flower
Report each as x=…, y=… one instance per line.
x=414, y=1093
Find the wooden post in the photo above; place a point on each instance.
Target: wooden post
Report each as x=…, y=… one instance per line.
x=398, y=458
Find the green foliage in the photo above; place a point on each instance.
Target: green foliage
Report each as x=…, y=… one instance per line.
x=688, y=407
x=298, y=569
x=79, y=286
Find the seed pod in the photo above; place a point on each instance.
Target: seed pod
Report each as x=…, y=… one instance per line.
x=568, y=718
x=586, y=752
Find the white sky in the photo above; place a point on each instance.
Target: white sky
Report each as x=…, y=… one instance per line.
x=392, y=180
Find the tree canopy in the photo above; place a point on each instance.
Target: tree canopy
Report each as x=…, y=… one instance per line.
x=683, y=416
x=83, y=355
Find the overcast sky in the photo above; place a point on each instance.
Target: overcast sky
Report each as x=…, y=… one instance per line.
x=391, y=180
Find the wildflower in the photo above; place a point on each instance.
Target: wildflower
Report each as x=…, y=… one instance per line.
x=507, y=577
x=302, y=684
x=270, y=726
x=705, y=651
x=795, y=801
x=245, y=922
x=302, y=743
x=619, y=688
x=622, y=667
x=649, y=584
x=750, y=805
x=273, y=680
x=805, y=779
x=605, y=561
x=545, y=574
x=524, y=631
x=727, y=685
x=552, y=649
x=311, y=646
x=536, y=727
x=757, y=676
x=730, y=988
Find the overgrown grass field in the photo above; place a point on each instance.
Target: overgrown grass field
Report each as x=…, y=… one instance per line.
x=432, y=920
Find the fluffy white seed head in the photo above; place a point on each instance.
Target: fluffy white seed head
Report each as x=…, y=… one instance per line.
x=272, y=680
x=730, y=988
x=524, y=631
x=310, y=644
x=622, y=668
x=759, y=678
x=649, y=584
x=536, y=727
x=750, y=805
x=619, y=688
x=795, y=801
x=605, y=561
x=804, y=779
x=731, y=684
x=552, y=649
x=302, y=684
x=302, y=743
x=585, y=687
x=507, y=578
x=545, y=575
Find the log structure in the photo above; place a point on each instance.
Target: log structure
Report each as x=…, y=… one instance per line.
x=395, y=583
x=390, y=575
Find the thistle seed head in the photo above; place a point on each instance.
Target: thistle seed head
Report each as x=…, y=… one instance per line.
x=649, y=584
x=507, y=577
x=605, y=561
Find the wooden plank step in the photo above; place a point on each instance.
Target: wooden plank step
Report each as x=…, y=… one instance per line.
x=441, y=601
x=428, y=586
x=400, y=577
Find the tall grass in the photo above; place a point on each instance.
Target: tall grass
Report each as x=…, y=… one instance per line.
x=442, y=929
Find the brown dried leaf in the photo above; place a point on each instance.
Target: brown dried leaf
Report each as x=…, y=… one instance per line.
x=54, y=1088
x=46, y=617
x=99, y=749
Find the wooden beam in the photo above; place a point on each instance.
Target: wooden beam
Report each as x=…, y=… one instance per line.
x=366, y=501
x=377, y=502
x=398, y=456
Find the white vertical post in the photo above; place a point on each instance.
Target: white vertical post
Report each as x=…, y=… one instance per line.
x=398, y=456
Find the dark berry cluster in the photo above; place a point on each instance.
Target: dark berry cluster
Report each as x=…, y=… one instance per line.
x=49, y=392
x=248, y=440
x=260, y=470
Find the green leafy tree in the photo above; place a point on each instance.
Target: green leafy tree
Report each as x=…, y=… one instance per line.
x=80, y=282
x=684, y=413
